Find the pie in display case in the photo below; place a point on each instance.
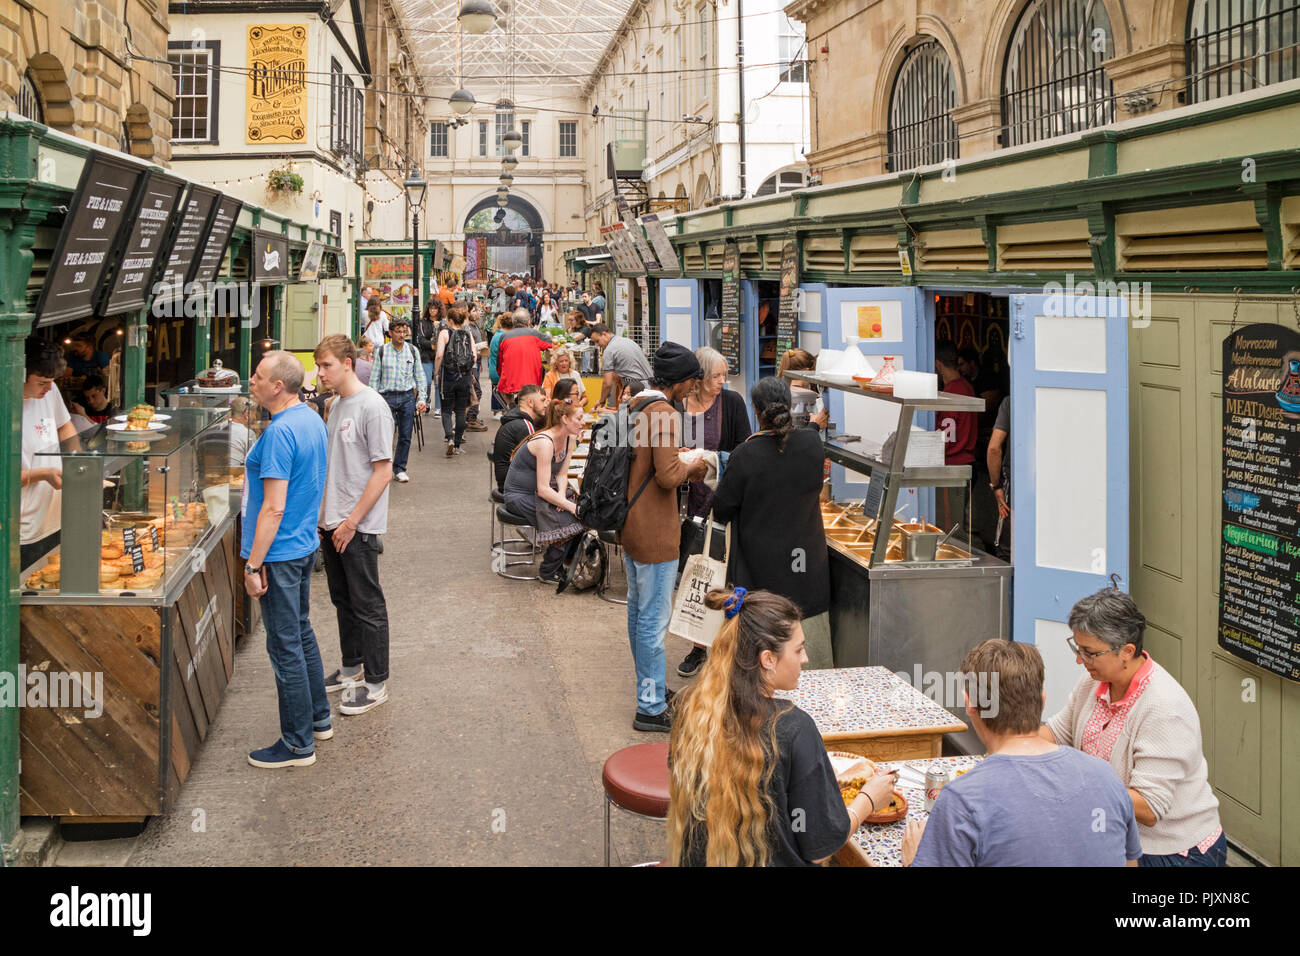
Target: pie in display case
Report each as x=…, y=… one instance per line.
x=143, y=501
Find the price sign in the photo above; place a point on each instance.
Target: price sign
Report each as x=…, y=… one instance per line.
x=155, y=214
x=729, y=334
x=223, y=224
x=90, y=239
x=137, y=559
x=787, y=324
x=1259, y=576
x=128, y=539
x=187, y=240
x=153, y=536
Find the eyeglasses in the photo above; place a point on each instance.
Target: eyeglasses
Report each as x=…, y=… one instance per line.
x=1089, y=655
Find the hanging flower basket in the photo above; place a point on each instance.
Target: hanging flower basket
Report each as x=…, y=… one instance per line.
x=283, y=180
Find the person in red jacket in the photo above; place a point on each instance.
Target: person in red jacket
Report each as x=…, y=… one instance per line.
x=519, y=360
x=960, y=431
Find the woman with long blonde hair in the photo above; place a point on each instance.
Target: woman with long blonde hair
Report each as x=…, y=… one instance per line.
x=751, y=784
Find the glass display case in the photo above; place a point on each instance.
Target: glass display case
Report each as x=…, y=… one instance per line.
x=142, y=500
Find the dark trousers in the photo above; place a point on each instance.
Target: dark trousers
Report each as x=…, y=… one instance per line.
x=1216, y=855
x=353, y=578
x=455, y=398
x=402, y=405
x=476, y=391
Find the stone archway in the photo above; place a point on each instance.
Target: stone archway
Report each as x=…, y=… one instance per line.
x=56, y=95
x=505, y=241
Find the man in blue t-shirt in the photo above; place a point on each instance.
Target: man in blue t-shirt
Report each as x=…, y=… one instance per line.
x=283, y=482
x=1029, y=802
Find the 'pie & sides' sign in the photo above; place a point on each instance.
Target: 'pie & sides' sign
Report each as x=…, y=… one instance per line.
x=89, y=240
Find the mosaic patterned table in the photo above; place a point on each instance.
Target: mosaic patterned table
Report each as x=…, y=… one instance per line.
x=881, y=844
x=873, y=712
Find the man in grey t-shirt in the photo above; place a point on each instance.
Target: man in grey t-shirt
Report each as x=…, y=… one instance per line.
x=620, y=358
x=353, y=514
x=1030, y=802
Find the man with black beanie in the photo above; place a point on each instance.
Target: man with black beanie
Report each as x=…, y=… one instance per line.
x=651, y=535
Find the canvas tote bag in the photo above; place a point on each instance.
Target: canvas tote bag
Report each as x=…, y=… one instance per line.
x=692, y=618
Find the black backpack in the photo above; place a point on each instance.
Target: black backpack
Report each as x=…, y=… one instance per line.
x=603, y=504
x=458, y=357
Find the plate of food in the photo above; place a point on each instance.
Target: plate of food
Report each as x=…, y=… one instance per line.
x=852, y=772
x=157, y=417
x=124, y=432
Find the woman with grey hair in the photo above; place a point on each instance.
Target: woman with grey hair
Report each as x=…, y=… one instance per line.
x=1132, y=713
x=714, y=419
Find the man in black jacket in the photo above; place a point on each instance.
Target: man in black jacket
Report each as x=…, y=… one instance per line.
x=528, y=415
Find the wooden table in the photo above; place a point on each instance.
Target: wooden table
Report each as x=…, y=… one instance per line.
x=873, y=712
x=881, y=844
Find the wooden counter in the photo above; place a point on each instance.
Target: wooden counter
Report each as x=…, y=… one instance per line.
x=164, y=668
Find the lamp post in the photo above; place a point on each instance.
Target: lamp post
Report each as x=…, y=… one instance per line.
x=415, y=187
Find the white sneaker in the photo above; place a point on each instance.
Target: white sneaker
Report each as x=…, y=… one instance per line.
x=496, y=416
x=401, y=476
x=358, y=700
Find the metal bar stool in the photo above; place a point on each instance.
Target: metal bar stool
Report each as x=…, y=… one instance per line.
x=613, y=554
x=636, y=781
x=497, y=541
x=501, y=562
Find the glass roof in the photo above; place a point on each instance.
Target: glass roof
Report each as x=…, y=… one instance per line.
x=556, y=43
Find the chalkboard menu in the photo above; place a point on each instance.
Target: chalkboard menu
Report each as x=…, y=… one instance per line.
x=729, y=337
x=1259, y=578
x=90, y=239
x=187, y=239
x=787, y=323
x=223, y=224
x=270, y=257
x=159, y=205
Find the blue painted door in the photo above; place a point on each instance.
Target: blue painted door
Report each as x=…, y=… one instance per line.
x=902, y=334
x=1069, y=460
x=679, y=312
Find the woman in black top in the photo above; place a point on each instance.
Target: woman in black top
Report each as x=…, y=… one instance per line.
x=770, y=492
x=751, y=784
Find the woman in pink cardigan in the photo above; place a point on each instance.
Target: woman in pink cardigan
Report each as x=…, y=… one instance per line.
x=1130, y=712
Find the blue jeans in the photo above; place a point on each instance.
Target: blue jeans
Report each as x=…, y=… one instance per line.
x=649, y=608
x=1217, y=855
x=428, y=385
x=402, y=405
x=295, y=658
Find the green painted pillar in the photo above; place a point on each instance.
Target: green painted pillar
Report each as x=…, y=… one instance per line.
x=202, y=338
x=24, y=203
x=135, y=358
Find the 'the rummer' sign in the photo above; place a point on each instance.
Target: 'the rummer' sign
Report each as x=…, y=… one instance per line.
x=276, y=85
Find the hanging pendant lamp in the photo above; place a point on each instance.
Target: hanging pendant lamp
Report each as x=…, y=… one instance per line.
x=512, y=140
x=476, y=16
x=462, y=101
x=508, y=164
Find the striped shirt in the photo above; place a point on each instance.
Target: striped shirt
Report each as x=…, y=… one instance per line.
x=396, y=371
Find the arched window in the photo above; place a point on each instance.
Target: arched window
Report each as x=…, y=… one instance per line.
x=1054, y=83
x=1237, y=46
x=783, y=182
x=921, y=129
x=29, y=100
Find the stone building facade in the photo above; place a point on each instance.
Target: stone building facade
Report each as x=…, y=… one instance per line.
x=81, y=69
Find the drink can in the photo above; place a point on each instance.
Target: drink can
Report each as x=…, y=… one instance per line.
x=935, y=779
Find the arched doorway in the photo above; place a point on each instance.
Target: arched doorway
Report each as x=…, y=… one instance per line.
x=503, y=242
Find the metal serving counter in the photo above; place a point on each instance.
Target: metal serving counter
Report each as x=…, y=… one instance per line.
x=918, y=621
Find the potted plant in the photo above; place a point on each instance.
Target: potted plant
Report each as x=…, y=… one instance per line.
x=283, y=180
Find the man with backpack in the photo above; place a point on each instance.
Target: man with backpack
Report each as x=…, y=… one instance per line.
x=453, y=368
x=650, y=536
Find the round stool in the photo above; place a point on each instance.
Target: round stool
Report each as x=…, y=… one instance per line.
x=501, y=562
x=636, y=781
x=613, y=555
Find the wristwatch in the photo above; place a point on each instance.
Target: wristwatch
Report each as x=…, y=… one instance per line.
x=249, y=569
